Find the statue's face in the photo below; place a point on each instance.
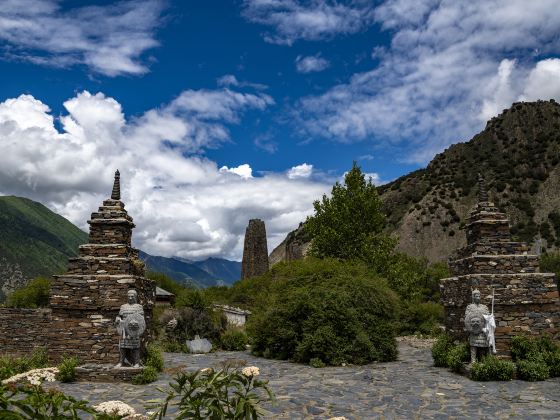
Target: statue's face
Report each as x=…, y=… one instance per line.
x=476, y=297
x=476, y=325
x=131, y=297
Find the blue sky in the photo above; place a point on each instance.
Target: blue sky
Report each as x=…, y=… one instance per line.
x=219, y=111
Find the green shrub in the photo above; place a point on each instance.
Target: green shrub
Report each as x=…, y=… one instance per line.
x=316, y=363
x=552, y=360
x=523, y=347
x=174, y=347
x=154, y=357
x=533, y=370
x=34, y=295
x=234, y=339
x=539, y=350
x=10, y=366
x=327, y=309
x=492, y=369
x=149, y=374
x=421, y=318
x=207, y=394
x=458, y=355
x=67, y=369
x=440, y=350
x=33, y=402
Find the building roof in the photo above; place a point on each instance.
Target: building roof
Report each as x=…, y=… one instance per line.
x=232, y=309
x=161, y=292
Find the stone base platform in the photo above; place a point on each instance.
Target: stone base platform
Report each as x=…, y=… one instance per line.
x=93, y=372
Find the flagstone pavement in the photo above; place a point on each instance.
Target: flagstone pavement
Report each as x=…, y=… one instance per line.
x=410, y=388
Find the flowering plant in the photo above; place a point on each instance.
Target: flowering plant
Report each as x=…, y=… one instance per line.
x=34, y=376
x=220, y=394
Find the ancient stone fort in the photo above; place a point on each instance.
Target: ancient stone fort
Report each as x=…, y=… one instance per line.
x=84, y=302
x=255, y=250
x=526, y=301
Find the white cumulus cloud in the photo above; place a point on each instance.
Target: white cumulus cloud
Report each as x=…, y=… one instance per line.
x=300, y=171
x=109, y=39
x=449, y=67
x=311, y=64
x=182, y=203
x=291, y=20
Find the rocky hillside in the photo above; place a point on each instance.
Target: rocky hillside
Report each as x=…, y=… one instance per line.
x=518, y=153
x=34, y=241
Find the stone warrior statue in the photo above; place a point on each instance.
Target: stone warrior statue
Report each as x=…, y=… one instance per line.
x=475, y=323
x=130, y=326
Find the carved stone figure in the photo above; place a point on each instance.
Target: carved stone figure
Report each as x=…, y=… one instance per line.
x=475, y=324
x=131, y=325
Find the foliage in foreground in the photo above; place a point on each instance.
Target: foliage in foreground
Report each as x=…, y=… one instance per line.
x=10, y=366
x=338, y=312
x=153, y=363
x=491, y=368
x=537, y=358
x=33, y=295
x=534, y=359
x=220, y=394
x=67, y=369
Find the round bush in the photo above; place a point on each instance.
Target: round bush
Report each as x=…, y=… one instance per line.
x=67, y=369
x=338, y=312
x=148, y=375
x=440, y=350
x=458, y=355
x=233, y=339
x=533, y=370
x=154, y=357
x=492, y=369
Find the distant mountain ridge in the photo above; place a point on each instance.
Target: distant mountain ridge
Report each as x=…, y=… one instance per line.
x=518, y=153
x=35, y=241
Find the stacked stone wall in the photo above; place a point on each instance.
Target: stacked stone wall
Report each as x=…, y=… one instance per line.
x=495, y=264
x=524, y=303
x=23, y=330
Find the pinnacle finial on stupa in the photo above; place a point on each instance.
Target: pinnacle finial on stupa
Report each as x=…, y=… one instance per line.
x=116, y=193
x=482, y=191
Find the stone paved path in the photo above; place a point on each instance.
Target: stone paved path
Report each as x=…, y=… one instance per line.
x=407, y=389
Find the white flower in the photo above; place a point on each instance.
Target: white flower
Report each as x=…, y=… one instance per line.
x=34, y=376
x=337, y=418
x=116, y=408
x=250, y=371
x=206, y=370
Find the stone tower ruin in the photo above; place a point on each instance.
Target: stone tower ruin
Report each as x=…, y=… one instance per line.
x=255, y=250
x=526, y=301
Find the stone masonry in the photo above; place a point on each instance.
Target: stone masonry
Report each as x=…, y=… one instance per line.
x=85, y=301
x=526, y=301
x=255, y=250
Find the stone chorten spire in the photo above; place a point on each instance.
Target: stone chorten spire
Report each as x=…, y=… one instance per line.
x=116, y=193
x=525, y=299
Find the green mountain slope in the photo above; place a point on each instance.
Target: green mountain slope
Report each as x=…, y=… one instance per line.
x=34, y=241
x=193, y=273
x=518, y=153
x=225, y=270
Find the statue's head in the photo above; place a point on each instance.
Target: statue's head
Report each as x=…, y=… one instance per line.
x=132, y=296
x=477, y=323
x=476, y=296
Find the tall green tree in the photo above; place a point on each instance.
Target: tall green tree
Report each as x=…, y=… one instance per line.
x=349, y=225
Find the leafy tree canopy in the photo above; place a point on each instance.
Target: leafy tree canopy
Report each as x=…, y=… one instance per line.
x=350, y=224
